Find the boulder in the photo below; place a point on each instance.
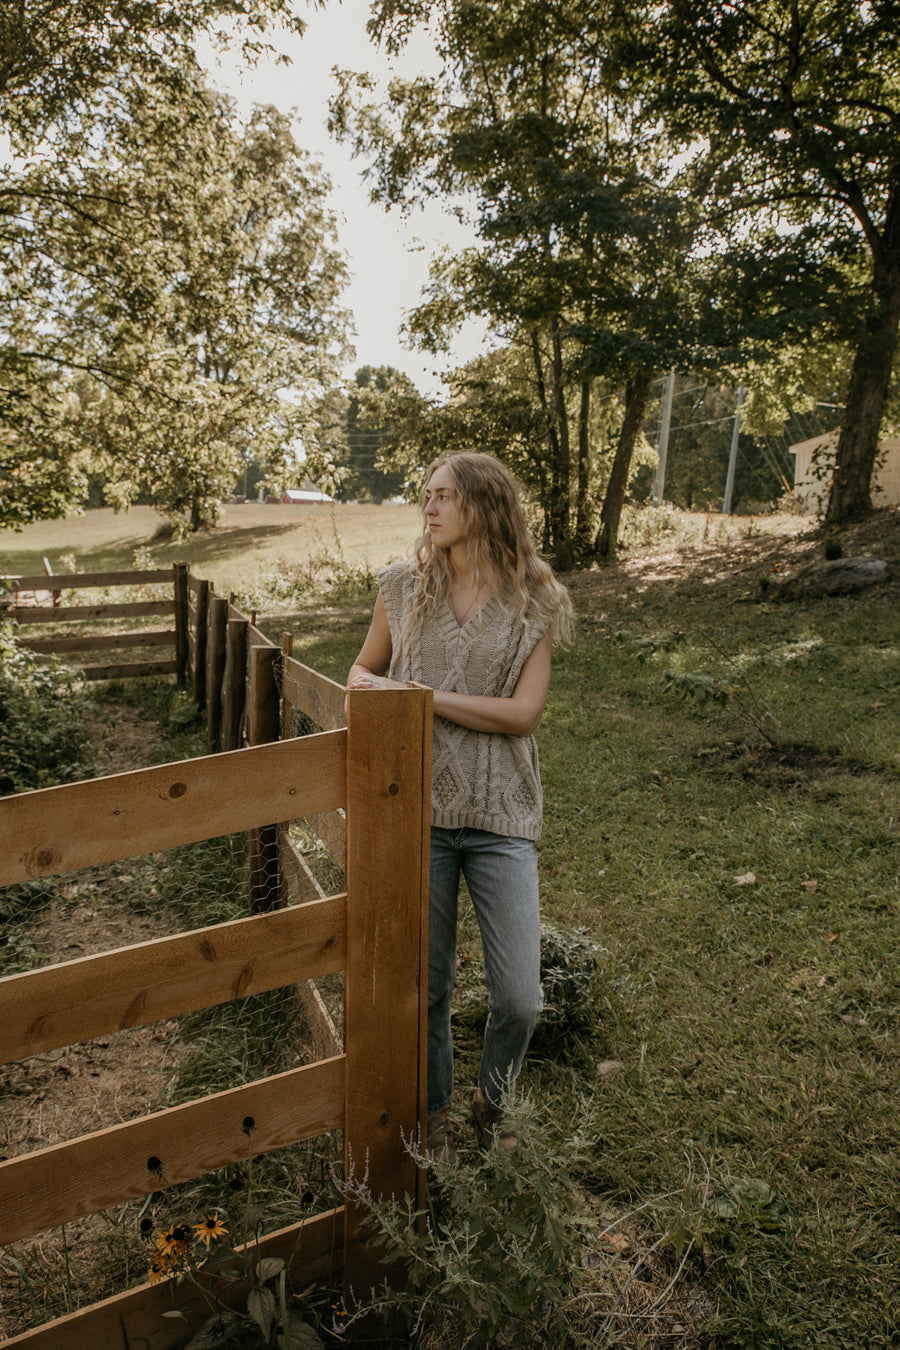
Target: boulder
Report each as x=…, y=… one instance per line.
x=840, y=576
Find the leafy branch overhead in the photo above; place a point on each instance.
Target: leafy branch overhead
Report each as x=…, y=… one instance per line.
x=171, y=304
x=707, y=188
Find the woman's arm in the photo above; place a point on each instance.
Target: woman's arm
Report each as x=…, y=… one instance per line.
x=517, y=715
x=375, y=655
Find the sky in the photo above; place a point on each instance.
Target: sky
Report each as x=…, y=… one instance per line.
x=387, y=254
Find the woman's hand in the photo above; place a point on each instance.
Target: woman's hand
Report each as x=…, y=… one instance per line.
x=365, y=679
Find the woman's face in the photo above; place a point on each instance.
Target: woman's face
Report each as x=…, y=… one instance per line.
x=442, y=509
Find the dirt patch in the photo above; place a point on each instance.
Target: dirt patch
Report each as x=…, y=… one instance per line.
x=78, y=1089
x=733, y=570
x=122, y=738
x=792, y=767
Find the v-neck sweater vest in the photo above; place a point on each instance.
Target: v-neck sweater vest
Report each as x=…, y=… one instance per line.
x=480, y=780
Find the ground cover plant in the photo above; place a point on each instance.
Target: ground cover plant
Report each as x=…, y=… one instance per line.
x=736, y=889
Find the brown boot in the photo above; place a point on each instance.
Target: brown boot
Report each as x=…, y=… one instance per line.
x=489, y=1125
x=439, y=1137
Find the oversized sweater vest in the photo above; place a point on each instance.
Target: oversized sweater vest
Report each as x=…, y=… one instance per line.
x=483, y=780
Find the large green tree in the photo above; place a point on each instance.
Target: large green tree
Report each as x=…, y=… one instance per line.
x=169, y=292
x=368, y=430
x=584, y=234
x=796, y=105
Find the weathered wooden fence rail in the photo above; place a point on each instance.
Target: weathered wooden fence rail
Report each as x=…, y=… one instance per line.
x=376, y=773
x=253, y=693
x=32, y=603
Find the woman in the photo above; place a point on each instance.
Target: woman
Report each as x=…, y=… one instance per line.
x=474, y=615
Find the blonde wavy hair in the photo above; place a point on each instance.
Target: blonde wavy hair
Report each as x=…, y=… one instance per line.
x=499, y=546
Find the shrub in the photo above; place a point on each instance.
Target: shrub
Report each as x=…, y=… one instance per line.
x=41, y=721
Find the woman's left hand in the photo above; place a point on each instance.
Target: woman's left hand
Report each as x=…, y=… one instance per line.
x=369, y=681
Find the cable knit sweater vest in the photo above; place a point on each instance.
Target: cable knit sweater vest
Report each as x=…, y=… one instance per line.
x=482, y=780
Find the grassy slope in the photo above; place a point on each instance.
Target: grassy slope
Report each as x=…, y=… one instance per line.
x=756, y=1020
x=251, y=541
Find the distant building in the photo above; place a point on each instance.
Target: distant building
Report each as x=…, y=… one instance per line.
x=305, y=497
x=813, y=462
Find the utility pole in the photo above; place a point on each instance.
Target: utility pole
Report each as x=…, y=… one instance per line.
x=662, y=439
x=732, y=458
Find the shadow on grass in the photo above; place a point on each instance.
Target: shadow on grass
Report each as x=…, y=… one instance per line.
x=206, y=548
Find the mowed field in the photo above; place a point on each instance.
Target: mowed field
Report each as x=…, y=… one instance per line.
x=250, y=539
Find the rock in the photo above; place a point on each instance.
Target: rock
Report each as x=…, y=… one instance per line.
x=841, y=576
x=608, y=1068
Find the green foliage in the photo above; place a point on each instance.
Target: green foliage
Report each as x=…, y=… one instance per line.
x=170, y=272
x=584, y=237
x=494, y=1259
x=571, y=969
x=41, y=732
x=696, y=685
x=798, y=109
x=367, y=432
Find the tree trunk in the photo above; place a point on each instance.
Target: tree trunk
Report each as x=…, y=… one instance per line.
x=582, y=498
x=636, y=392
x=562, y=467
x=556, y=500
x=857, y=448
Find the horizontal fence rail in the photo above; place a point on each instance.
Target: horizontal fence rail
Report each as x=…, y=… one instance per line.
x=35, y=601
x=151, y=981
x=363, y=784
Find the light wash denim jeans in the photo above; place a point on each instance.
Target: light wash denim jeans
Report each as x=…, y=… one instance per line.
x=501, y=874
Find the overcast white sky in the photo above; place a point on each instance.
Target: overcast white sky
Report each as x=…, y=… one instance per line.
x=387, y=254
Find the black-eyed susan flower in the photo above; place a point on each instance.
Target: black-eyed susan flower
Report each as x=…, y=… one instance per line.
x=172, y=1244
x=159, y=1269
x=211, y=1229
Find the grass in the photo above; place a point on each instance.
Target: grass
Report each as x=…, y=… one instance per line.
x=252, y=543
x=747, y=899
x=745, y=895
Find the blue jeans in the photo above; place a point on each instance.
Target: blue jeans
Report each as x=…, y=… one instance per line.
x=501, y=874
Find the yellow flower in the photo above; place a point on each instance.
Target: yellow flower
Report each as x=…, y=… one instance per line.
x=211, y=1229
x=172, y=1244
x=159, y=1270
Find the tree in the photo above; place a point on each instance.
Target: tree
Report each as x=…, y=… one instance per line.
x=368, y=431
x=185, y=269
x=581, y=266
x=168, y=278
x=798, y=105
x=59, y=58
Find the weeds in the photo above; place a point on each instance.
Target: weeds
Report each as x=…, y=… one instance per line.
x=493, y=1259
x=41, y=737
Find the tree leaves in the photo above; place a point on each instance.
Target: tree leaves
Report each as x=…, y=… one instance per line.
x=170, y=304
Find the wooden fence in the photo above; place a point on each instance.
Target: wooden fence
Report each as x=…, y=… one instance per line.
x=362, y=783
x=35, y=603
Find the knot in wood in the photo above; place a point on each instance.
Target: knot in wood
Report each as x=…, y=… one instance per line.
x=41, y=860
x=394, y=789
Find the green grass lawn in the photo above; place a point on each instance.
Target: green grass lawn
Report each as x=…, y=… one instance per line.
x=747, y=895
x=251, y=544
x=745, y=890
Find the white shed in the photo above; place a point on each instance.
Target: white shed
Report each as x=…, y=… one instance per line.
x=811, y=488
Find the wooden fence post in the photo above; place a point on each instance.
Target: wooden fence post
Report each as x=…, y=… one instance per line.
x=388, y=824
x=263, y=726
x=234, y=683
x=287, y=712
x=180, y=571
x=215, y=669
x=198, y=670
